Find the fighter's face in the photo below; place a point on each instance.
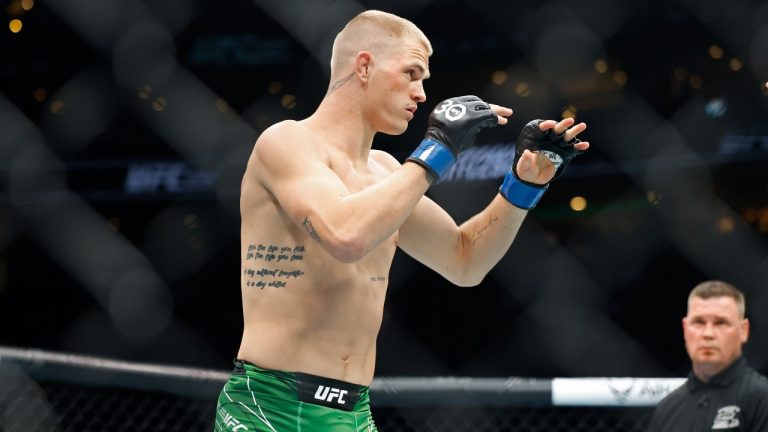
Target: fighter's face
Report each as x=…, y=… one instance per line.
x=397, y=86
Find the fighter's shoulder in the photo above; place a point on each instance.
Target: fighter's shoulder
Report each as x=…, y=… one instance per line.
x=284, y=132
x=288, y=137
x=385, y=159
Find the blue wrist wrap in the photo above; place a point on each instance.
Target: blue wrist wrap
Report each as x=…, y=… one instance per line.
x=433, y=155
x=520, y=194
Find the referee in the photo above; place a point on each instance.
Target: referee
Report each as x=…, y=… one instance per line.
x=722, y=393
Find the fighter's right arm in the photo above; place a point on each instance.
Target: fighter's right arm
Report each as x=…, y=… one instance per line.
x=294, y=167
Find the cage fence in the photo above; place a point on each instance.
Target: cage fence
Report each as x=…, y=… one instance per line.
x=51, y=392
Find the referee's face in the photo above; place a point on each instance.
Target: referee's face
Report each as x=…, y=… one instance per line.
x=714, y=333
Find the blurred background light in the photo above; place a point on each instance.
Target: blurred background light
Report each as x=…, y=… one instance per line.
x=522, y=89
x=15, y=25
x=716, y=107
x=716, y=52
x=40, y=95
x=578, y=203
x=56, y=106
x=695, y=81
x=569, y=112
x=288, y=101
x=499, y=77
x=274, y=87
x=144, y=92
x=601, y=66
x=620, y=77
x=653, y=197
x=159, y=104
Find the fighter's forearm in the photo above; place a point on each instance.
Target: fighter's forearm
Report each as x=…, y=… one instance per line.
x=486, y=238
x=361, y=221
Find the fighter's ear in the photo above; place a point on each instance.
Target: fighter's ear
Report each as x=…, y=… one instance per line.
x=363, y=63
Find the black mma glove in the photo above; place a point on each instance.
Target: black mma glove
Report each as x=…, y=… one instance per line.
x=452, y=128
x=526, y=195
x=548, y=143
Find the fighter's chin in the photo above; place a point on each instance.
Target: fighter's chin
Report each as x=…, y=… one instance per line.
x=395, y=129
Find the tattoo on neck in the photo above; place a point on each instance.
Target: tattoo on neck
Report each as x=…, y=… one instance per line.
x=310, y=229
x=340, y=83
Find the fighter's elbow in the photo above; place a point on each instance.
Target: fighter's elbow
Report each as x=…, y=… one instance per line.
x=347, y=256
x=347, y=248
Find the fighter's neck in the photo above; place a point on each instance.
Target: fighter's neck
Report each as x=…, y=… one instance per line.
x=344, y=127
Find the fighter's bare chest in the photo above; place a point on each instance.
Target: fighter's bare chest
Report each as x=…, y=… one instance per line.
x=357, y=179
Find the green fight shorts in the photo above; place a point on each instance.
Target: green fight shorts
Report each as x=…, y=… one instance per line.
x=255, y=399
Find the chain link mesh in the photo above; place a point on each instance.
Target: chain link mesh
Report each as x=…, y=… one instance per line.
x=50, y=407
x=55, y=407
x=511, y=419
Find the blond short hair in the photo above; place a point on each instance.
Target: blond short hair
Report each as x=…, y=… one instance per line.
x=716, y=288
x=373, y=31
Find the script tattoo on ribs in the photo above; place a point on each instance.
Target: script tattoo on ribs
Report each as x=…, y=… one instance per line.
x=277, y=276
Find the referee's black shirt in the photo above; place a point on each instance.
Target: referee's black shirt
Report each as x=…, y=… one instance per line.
x=735, y=400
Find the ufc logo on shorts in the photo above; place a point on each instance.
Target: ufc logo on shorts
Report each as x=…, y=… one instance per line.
x=232, y=423
x=328, y=394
